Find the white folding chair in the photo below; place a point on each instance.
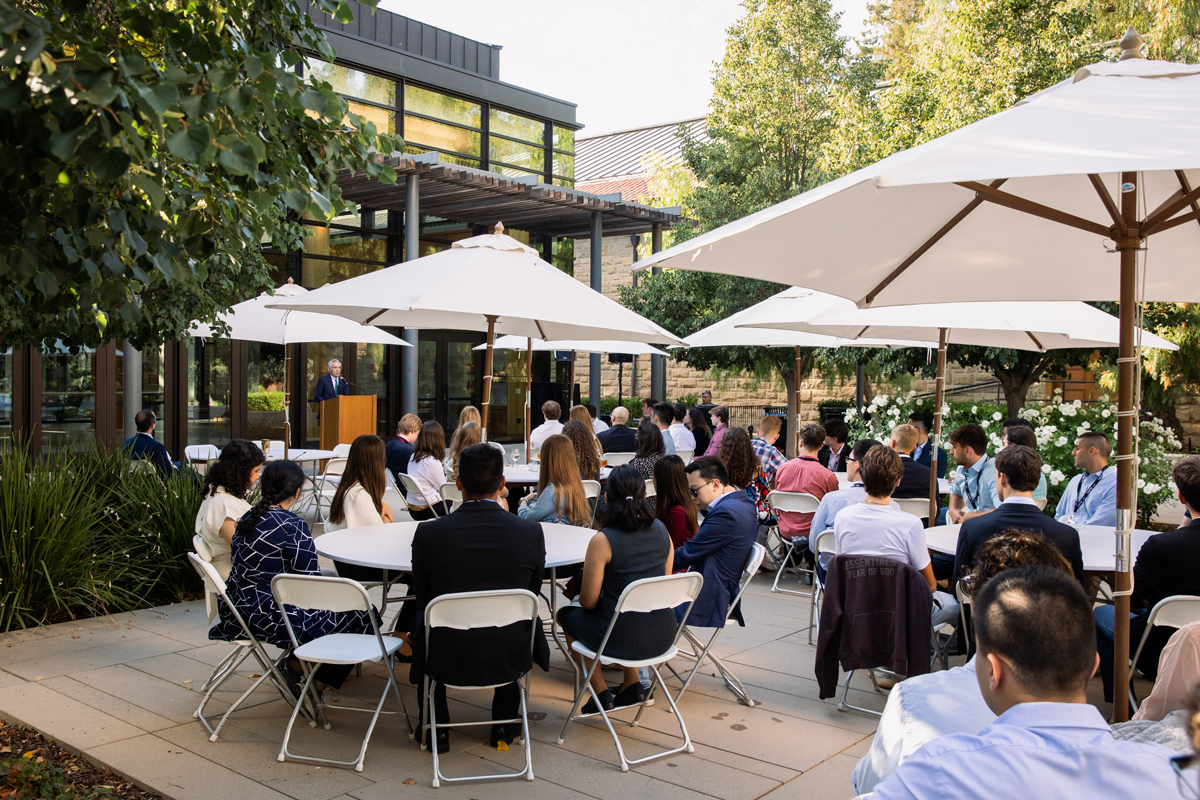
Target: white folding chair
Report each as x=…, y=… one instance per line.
x=644, y=596
x=466, y=611
x=686, y=455
x=1172, y=612
x=498, y=446
x=205, y=554
x=244, y=646
x=650, y=490
x=201, y=456
x=617, y=459
x=277, y=448
x=341, y=450
x=140, y=466
x=1040, y=502
x=409, y=486
x=917, y=506
x=798, y=502
x=824, y=545
x=313, y=592
x=451, y=494
x=702, y=650
x=592, y=490
x=327, y=483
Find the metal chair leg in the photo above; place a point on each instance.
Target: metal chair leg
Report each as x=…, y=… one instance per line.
x=789, y=561
x=843, y=704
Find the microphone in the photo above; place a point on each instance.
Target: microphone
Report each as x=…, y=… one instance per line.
x=355, y=385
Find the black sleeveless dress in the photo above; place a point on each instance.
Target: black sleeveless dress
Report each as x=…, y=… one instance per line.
x=635, y=555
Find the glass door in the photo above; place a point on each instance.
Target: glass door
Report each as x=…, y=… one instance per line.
x=449, y=375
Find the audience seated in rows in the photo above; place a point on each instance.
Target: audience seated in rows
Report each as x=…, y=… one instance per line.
x=270, y=540
x=481, y=547
x=586, y=457
x=559, y=495
x=1036, y=652
x=855, y=493
x=1020, y=431
x=662, y=416
x=673, y=506
x=551, y=411
x=426, y=469
x=650, y=448
x=631, y=545
x=915, y=482
x=400, y=448
x=1165, y=566
x=697, y=423
x=873, y=528
x=1091, y=496
x=684, y=440
x=619, y=438
x=598, y=425
x=923, y=453
x=836, y=448
x=226, y=486
x=769, y=456
x=973, y=490
x=720, y=415
x=465, y=436
x=745, y=472
x=581, y=414
x=804, y=474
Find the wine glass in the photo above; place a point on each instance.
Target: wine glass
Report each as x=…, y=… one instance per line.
x=515, y=455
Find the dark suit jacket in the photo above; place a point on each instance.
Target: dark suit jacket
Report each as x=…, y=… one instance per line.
x=478, y=547
x=618, y=439
x=327, y=391
x=915, y=482
x=927, y=458
x=824, y=454
x=719, y=551
x=145, y=448
x=398, y=451
x=1166, y=565
x=1017, y=516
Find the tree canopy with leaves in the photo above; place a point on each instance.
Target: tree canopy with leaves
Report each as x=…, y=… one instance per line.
x=151, y=149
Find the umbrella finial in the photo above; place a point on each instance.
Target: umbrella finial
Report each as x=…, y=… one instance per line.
x=499, y=227
x=290, y=280
x=1131, y=45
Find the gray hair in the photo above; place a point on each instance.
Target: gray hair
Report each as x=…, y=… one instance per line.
x=332, y=361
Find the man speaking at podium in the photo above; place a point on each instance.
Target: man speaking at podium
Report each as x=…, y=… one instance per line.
x=331, y=385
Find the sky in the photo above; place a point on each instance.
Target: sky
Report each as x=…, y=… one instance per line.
x=625, y=63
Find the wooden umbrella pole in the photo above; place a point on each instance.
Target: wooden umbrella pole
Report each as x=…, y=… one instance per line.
x=796, y=400
x=528, y=396
x=1127, y=246
x=487, y=374
x=938, y=389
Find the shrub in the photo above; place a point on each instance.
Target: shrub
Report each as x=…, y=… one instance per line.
x=607, y=404
x=264, y=401
x=1057, y=425
x=689, y=400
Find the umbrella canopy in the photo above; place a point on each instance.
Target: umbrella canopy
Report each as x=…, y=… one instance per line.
x=1021, y=326
x=253, y=321
x=576, y=345
x=489, y=283
x=1028, y=204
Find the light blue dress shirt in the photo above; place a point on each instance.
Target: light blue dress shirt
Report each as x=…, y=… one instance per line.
x=669, y=443
x=1088, y=505
x=543, y=509
x=977, y=485
x=1040, y=491
x=1037, y=750
x=831, y=504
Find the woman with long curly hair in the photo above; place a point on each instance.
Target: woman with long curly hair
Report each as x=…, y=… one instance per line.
x=464, y=437
x=580, y=435
x=581, y=414
x=745, y=471
x=225, y=489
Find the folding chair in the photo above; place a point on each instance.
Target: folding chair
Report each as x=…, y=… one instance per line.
x=617, y=459
x=648, y=594
x=702, y=650
x=917, y=506
x=201, y=456
x=341, y=450
x=1172, y=612
x=498, y=446
x=824, y=545
x=686, y=455
x=465, y=611
x=325, y=485
x=313, y=592
x=210, y=597
x=651, y=491
x=451, y=494
x=245, y=646
x=797, y=502
x=409, y=486
x=592, y=490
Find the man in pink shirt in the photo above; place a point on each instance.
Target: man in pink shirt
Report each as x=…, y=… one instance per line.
x=804, y=474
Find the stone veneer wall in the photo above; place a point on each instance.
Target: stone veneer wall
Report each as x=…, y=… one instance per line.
x=617, y=263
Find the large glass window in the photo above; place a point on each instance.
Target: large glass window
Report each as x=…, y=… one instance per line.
x=506, y=153
x=441, y=106
x=317, y=367
x=68, y=400
x=516, y=144
x=422, y=135
x=564, y=156
x=343, y=248
x=265, y=402
x=209, y=392
x=6, y=400
x=353, y=83
x=153, y=394
x=450, y=125
x=384, y=118
x=371, y=368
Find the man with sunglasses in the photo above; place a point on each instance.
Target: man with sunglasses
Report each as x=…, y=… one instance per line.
x=720, y=548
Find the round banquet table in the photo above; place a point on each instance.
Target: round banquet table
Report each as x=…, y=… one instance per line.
x=527, y=474
x=1096, y=542
x=296, y=454
x=943, y=484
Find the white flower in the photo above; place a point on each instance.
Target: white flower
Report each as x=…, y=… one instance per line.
x=912, y=393
x=1141, y=483
x=893, y=412
x=1060, y=441
x=974, y=409
x=1078, y=404
x=1152, y=488
x=984, y=423
x=1057, y=477
x=1080, y=431
x=1045, y=469
x=997, y=416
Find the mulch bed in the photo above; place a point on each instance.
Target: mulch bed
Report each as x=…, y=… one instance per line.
x=35, y=767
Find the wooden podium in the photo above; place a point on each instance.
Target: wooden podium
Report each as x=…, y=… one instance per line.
x=345, y=418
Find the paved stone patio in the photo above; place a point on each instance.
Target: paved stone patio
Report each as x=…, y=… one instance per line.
x=122, y=691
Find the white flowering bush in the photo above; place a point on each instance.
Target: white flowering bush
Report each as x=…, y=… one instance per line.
x=1057, y=425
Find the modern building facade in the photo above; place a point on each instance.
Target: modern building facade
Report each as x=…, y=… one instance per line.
x=478, y=151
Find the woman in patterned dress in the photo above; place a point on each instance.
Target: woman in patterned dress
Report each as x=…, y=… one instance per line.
x=270, y=540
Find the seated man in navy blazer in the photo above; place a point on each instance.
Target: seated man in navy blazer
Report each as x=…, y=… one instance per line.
x=142, y=446
x=1017, y=471
x=618, y=438
x=915, y=482
x=720, y=548
x=922, y=453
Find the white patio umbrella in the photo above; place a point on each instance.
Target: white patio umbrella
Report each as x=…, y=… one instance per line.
x=730, y=332
x=529, y=345
x=1028, y=204
x=1020, y=326
x=487, y=283
x=254, y=321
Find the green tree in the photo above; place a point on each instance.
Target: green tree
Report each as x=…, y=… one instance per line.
x=152, y=147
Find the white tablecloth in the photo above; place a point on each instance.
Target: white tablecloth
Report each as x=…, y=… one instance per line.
x=920, y=710
x=390, y=546
x=525, y=474
x=943, y=485
x=1096, y=541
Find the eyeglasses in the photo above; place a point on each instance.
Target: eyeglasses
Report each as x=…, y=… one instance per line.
x=1181, y=763
x=695, y=493
x=850, y=460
